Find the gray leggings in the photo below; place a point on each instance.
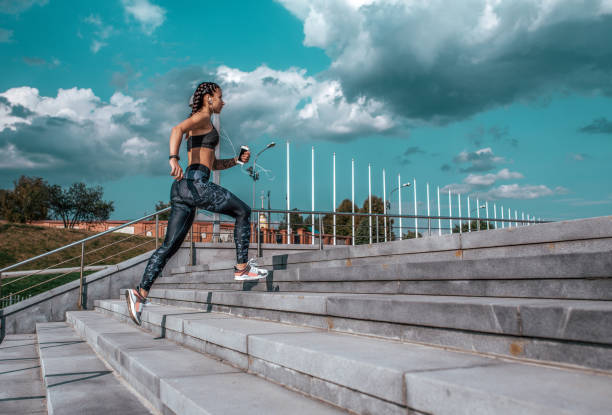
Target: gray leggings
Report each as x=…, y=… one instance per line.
x=192, y=192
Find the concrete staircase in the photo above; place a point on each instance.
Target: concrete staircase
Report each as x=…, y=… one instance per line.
x=506, y=321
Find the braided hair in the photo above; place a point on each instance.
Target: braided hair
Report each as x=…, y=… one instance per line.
x=197, y=99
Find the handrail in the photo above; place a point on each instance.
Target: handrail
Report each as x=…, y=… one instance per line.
x=89, y=238
x=319, y=213
x=323, y=212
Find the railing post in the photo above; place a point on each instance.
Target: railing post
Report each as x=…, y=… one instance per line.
x=80, y=304
x=376, y=229
x=156, y=230
x=259, y=252
x=191, y=245
x=320, y=232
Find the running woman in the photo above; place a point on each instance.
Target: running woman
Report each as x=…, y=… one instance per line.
x=193, y=190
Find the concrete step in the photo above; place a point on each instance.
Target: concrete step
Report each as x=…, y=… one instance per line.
x=368, y=375
x=77, y=381
x=177, y=380
x=21, y=387
x=567, y=288
x=577, y=320
x=563, y=331
x=588, y=275
x=578, y=236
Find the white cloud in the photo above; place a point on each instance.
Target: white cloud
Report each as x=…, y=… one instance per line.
x=101, y=33
x=96, y=45
x=490, y=178
x=479, y=160
x=444, y=60
x=12, y=158
x=293, y=104
x=516, y=191
x=79, y=105
x=150, y=16
x=139, y=147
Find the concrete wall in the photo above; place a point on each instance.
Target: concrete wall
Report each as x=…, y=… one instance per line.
x=53, y=304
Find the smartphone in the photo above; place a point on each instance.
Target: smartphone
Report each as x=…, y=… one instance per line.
x=243, y=149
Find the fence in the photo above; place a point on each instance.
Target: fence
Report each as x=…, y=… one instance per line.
x=315, y=231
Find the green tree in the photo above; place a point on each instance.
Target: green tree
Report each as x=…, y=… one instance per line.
x=161, y=205
x=28, y=201
x=362, y=234
x=297, y=221
x=465, y=226
x=343, y=222
x=79, y=203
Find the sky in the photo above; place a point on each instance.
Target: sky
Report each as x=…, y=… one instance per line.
x=508, y=101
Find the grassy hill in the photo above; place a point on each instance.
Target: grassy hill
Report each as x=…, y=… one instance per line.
x=19, y=242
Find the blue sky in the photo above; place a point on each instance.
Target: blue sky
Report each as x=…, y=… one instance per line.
x=508, y=101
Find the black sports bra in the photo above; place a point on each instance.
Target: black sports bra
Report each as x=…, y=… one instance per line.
x=208, y=140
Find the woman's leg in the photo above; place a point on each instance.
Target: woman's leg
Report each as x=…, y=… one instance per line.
x=220, y=200
x=181, y=218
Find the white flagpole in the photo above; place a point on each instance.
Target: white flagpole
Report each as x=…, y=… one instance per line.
x=288, y=198
x=416, y=222
x=312, y=197
x=370, y=198
x=385, y=204
x=353, y=199
x=334, y=198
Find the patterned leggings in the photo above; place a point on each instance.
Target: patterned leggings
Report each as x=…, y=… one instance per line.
x=192, y=192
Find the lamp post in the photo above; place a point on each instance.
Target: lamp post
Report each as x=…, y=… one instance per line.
x=478, y=209
x=407, y=184
x=252, y=170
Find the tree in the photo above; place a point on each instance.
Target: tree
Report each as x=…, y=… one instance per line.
x=161, y=205
x=465, y=226
x=297, y=221
x=362, y=234
x=79, y=204
x=28, y=201
x=343, y=222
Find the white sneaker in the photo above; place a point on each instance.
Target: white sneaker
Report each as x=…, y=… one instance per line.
x=250, y=272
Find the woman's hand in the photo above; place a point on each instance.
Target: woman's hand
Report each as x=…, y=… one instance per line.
x=177, y=171
x=245, y=156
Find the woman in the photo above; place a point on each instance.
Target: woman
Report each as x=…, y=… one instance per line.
x=193, y=190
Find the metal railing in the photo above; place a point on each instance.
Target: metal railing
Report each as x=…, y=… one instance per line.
x=20, y=294
x=287, y=234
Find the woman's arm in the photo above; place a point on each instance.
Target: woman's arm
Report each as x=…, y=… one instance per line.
x=224, y=163
x=227, y=163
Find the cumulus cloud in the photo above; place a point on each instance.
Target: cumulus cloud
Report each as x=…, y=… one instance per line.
x=490, y=178
x=75, y=131
x=18, y=6
x=598, y=126
x=292, y=104
x=480, y=185
x=516, y=191
x=105, y=140
x=12, y=158
x=478, y=161
x=6, y=36
x=442, y=61
x=150, y=16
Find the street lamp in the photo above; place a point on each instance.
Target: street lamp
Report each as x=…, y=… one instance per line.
x=407, y=184
x=253, y=173
x=478, y=219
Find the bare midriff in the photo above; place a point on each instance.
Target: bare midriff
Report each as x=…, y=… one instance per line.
x=201, y=155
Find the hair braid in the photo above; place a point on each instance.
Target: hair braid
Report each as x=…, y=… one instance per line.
x=197, y=99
